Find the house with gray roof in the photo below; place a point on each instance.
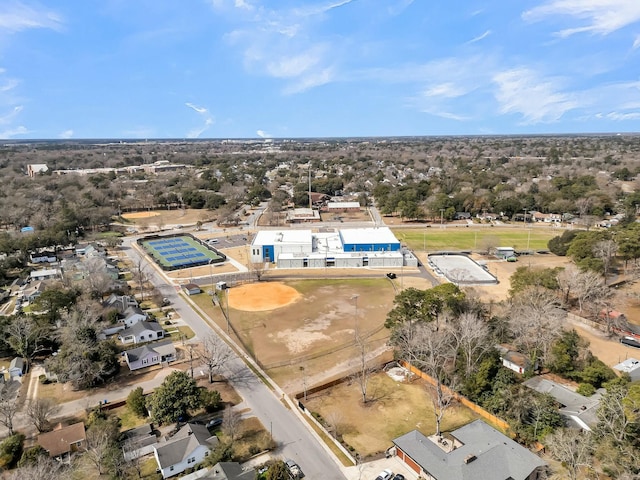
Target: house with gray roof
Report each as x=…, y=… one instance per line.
x=150, y=354
x=475, y=451
x=133, y=315
x=185, y=449
x=141, y=332
x=230, y=471
x=578, y=410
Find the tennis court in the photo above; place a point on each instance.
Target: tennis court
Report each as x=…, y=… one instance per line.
x=174, y=252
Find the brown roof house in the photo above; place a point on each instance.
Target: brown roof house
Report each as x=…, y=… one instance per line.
x=63, y=441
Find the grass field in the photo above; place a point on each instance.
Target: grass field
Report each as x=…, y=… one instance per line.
x=316, y=332
x=179, y=251
x=476, y=238
x=396, y=409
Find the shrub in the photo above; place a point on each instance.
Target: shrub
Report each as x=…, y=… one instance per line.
x=586, y=389
x=43, y=379
x=136, y=402
x=11, y=450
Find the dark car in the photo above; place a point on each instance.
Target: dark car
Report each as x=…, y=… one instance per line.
x=214, y=422
x=630, y=341
x=398, y=476
x=391, y=275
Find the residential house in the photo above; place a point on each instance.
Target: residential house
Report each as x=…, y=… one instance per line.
x=63, y=441
x=138, y=442
x=546, y=217
x=45, y=274
x=229, y=471
x=631, y=366
x=16, y=367
x=141, y=332
x=463, y=216
x=150, y=354
x=43, y=256
x=475, y=451
x=133, y=315
x=33, y=292
x=120, y=302
x=191, y=289
x=185, y=449
x=514, y=360
x=34, y=169
x=578, y=410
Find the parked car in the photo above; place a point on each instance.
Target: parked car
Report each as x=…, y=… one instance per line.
x=512, y=259
x=214, y=422
x=398, y=476
x=386, y=474
x=630, y=341
x=391, y=275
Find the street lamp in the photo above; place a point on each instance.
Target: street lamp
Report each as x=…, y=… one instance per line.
x=441, y=217
x=354, y=297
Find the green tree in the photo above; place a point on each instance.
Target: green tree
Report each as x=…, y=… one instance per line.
x=11, y=450
x=137, y=403
x=173, y=400
x=210, y=399
x=525, y=277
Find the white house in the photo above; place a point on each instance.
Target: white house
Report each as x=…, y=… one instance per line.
x=185, y=449
x=133, y=315
x=141, y=332
x=45, y=274
x=120, y=302
x=150, y=354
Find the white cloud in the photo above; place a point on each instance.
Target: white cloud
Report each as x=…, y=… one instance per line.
x=8, y=118
x=287, y=67
x=636, y=42
x=243, y=5
x=307, y=82
x=320, y=9
x=10, y=85
x=480, y=37
x=196, y=132
x=16, y=16
x=620, y=116
x=208, y=121
x=537, y=99
x=66, y=134
x=196, y=108
x=598, y=16
x=263, y=134
x=12, y=132
x=446, y=90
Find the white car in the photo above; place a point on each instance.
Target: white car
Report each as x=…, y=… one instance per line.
x=386, y=474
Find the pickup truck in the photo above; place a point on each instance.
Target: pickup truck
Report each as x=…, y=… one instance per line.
x=293, y=469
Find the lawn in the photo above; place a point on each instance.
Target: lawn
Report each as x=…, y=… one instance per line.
x=476, y=238
x=396, y=409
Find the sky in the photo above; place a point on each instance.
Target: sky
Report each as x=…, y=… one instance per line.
x=147, y=69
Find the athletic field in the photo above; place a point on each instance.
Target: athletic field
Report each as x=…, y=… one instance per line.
x=175, y=252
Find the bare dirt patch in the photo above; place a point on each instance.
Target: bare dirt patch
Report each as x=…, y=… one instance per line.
x=136, y=215
x=259, y=297
x=395, y=409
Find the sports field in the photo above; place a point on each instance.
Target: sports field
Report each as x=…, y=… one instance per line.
x=179, y=251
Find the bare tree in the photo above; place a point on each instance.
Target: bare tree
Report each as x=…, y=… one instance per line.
x=536, y=322
x=471, y=335
x=335, y=419
x=573, y=448
x=606, y=251
x=568, y=281
x=98, y=447
x=442, y=397
x=39, y=411
x=589, y=285
x=259, y=269
x=364, y=370
x=43, y=468
x=8, y=410
x=139, y=272
x=25, y=335
x=231, y=421
x=433, y=352
x=214, y=353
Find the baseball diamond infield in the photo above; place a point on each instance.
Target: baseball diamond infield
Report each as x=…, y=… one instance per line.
x=259, y=297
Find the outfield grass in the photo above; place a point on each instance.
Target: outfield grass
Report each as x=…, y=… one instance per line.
x=475, y=238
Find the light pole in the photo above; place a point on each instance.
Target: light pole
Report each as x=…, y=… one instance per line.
x=441, y=217
x=354, y=297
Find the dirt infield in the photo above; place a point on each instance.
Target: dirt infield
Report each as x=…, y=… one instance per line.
x=135, y=215
x=260, y=297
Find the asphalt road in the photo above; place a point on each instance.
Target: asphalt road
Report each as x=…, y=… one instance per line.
x=295, y=440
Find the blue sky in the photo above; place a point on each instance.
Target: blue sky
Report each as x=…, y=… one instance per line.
x=313, y=68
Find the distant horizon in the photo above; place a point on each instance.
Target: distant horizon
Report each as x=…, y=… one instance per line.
x=116, y=140
x=244, y=69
